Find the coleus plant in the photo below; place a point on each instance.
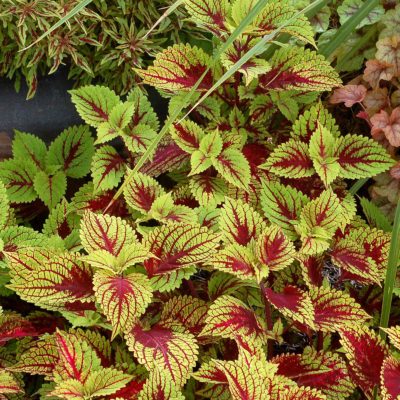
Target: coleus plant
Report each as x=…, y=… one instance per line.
x=234, y=266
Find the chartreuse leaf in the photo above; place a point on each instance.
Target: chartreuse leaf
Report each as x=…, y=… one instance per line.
x=29, y=147
x=187, y=135
x=178, y=246
x=239, y=222
x=282, y=205
x=18, y=177
x=143, y=112
x=9, y=384
x=272, y=17
x=4, y=206
x=291, y=160
x=319, y=220
x=172, y=353
x=321, y=370
x=105, y=232
x=301, y=69
x=321, y=148
x=208, y=190
x=394, y=335
x=94, y=103
x=361, y=157
x=213, y=15
x=160, y=386
x=230, y=318
x=72, y=150
x=108, y=167
x=50, y=188
x=178, y=68
x=123, y=299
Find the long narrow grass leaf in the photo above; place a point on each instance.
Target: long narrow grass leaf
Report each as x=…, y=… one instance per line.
x=358, y=185
x=391, y=272
x=80, y=6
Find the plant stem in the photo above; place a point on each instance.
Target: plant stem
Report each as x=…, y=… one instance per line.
x=391, y=272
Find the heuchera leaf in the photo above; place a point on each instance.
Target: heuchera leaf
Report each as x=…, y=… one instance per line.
x=291, y=160
x=282, y=205
x=177, y=246
x=326, y=372
x=361, y=157
x=94, y=103
x=334, y=309
x=274, y=249
x=299, y=68
x=239, y=222
x=172, y=353
x=72, y=150
x=179, y=67
x=108, y=167
x=141, y=191
x=29, y=147
x=230, y=318
x=50, y=188
x=293, y=303
x=366, y=353
x=18, y=177
x=104, y=232
x=123, y=299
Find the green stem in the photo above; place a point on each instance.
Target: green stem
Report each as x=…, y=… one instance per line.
x=391, y=272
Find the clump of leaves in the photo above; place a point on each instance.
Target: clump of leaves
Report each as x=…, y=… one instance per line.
x=234, y=266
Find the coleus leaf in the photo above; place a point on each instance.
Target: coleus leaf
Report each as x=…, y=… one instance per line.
x=366, y=353
x=187, y=135
x=394, y=336
x=189, y=312
x=139, y=138
x=108, y=167
x=50, y=188
x=361, y=157
x=177, y=246
x=291, y=160
x=234, y=167
x=321, y=149
x=94, y=103
x=390, y=377
x=123, y=299
x=272, y=17
x=29, y=147
x=334, y=309
x=160, y=387
x=9, y=384
x=282, y=205
x=171, y=280
x=141, y=192
x=179, y=67
x=237, y=260
x=348, y=255
x=161, y=349
x=326, y=372
x=208, y=190
x=105, y=232
x=18, y=177
x=299, y=68
x=293, y=303
x=303, y=393
x=72, y=150
x=319, y=219
x=230, y=318
x=76, y=358
x=239, y=222
x=144, y=113
x=15, y=326
x=39, y=359
x=274, y=249
x=211, y=14
x=58, y=283
x=5, y=207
